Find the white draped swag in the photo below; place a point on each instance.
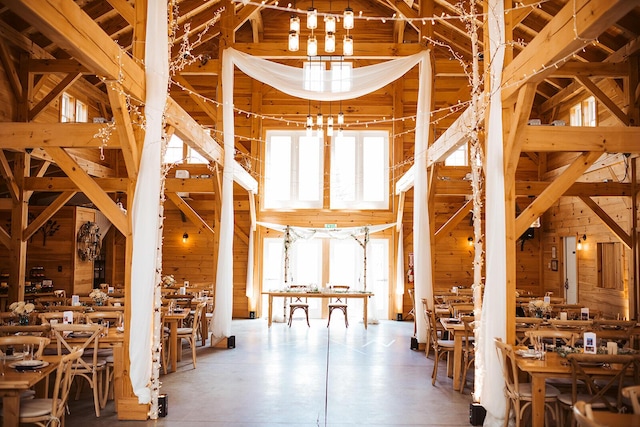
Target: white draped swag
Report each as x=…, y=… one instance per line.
x=493, y=318
x=145, y=212
x=290, y=80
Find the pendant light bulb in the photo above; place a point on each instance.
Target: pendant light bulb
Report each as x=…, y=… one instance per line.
x=340, y=132
x=329, y=130
x=309, y=131
x=294, y=41
x=330, y=24
x=348, y=19
x=330, y=121
x=340, y=118
x=312, y=46
x=319, y=120
x=330, y=43
x=309, y=121
x=347, y=45
x=294, y=23
x=185, y=237
x=312, y=18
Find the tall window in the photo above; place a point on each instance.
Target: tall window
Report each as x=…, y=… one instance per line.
x=459, y=157
x=610, y=261
x=318, y=78
x=584, y=113
x=360, y=170
x=293, y=170
x=72, y=110
x=179, y=152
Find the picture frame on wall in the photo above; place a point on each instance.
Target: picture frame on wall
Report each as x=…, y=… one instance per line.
x=554, y=265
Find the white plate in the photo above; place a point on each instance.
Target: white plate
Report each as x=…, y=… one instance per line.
x=526, y=354
x=15, y=356
x=29, y=364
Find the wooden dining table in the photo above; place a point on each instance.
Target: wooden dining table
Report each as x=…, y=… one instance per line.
x=173, y=320
x=14, y=382
x=553, y=366
x=319, y=294
x=616, y=419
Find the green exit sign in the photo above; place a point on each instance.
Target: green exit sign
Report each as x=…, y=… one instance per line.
x=331, y=226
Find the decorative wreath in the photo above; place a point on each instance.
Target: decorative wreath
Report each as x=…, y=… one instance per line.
x=89, y=243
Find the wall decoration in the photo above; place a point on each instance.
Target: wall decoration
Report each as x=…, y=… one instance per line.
x=89, y=243
x=48, y=229
x=554, y=265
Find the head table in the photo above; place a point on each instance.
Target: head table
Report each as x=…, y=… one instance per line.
x=319, y=294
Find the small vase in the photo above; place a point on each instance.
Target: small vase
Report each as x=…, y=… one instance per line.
x=100, y=302
x=23, y=320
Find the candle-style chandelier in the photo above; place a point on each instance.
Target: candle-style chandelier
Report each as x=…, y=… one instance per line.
x=329, y=29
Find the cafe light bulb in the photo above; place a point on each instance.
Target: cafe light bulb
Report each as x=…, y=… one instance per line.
x=312, y=18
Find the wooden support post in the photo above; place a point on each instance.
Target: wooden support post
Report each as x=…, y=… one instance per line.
x=19, y=215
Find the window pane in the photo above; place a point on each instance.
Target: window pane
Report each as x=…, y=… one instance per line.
x=373, y=170
x=589, y=112
x=458, y=157
x=575, y=115
x=341, y=76
x=81, y=112
x=343, y=169
x=278, y=179
x=173, y=153
x=313, y=76
x=194, y=157
x=309, y=168
x=66, y=108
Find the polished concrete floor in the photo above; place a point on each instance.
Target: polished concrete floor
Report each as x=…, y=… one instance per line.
x=302, y=376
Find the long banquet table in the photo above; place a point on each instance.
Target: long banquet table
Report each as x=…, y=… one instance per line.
x=320, y=294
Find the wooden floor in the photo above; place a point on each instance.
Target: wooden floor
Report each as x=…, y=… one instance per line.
x=302, y=376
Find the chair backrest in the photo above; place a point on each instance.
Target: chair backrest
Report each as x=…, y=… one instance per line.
x=584, y=414
x=633, y=394
x=599, y=382
x=64, y=378
x=338, y=299
x=114, y=317
x=432, y=331
x=575, y=325
x=523, y=325
x=115, y=302
x=509, y=368
x=298, y=299
x=17, y=341
x=197, y=318
x=84, y=336
x=558, y=337
x=469, y=325
x=45, y=318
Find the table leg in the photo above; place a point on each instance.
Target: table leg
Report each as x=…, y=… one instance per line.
x=270, y=310
x=173, y=345
x=11, y=410
x=457, y=359
x=537, y=400
x=365, y=309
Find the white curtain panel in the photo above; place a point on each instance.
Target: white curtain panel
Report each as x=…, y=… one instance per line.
x=489, y=373
x=146, y=203
x=290, y=80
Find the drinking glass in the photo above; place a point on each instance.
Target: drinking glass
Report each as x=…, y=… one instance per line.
x=27, y=351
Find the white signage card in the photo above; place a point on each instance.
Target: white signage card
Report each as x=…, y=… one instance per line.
x=584, y=313
x=67, y=317
x=590, y=342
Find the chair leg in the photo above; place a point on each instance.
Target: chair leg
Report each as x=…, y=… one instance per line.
x=192, y=343
x=307, y=313
x=346, y=319
x=329, y=317
x=434, y=374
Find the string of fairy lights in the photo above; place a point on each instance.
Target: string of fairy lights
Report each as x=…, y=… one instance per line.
x=185, y=58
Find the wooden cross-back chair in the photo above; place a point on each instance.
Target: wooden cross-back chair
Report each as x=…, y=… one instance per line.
x=338, y=303
x=298, y=302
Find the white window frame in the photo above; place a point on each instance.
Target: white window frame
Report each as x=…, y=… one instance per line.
x=67, y=108
x=584, y=113
x=317, y=77
x=460, y=157
x=337, y=202
x=81, y=112
x=294, y=200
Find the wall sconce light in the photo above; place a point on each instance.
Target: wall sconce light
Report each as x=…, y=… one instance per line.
x=580, y=241
x=185, y=237
x=470, y=240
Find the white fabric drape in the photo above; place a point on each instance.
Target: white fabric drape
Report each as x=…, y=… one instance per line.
x=290, y=80
x=400, y=266
x=494, y=305
x=249, y=292
x=145, y=211
x=326, y=233
x=423, y=284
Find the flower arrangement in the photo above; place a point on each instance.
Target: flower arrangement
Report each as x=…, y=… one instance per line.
x=539, y=307
x=22, y=311
x=168, y=281
x=98, y=296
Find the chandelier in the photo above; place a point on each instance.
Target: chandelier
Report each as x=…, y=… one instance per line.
x=329, y=29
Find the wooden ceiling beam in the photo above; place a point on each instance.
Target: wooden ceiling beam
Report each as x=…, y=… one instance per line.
x=555, y=189
x=609, y=222
x=592, y=69
x=7, y=174
x=612, y=139
x=50, y=66
x=568, y=30
x=10, y=69
x=455, y=219
x=447, y=188
x=191, y=214
x=124, y=127
x=207, y=107
x=69, y=80
x=20, y=136
x=44, y=166
x=46, y=214
x=604, y=99
x=125, y=9
x=90, y=188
